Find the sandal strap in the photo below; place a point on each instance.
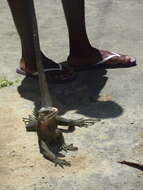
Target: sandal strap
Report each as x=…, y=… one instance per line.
x=58, y=68
x=108, y=58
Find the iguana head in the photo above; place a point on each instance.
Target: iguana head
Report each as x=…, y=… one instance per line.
x=48, y=112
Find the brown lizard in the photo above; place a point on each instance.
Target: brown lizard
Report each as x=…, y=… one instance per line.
x=45, y=122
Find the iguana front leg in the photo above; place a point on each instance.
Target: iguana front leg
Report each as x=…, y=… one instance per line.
x=31, y=123
x=77, y=122
x=51, y=156
x=69, y=147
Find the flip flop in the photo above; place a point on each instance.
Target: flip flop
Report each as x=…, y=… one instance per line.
x=53, y=71
x=87, y=64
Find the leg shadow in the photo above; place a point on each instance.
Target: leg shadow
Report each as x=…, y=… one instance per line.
x=76, y=95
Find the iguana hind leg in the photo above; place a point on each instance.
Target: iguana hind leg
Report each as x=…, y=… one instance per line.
x=51, y=156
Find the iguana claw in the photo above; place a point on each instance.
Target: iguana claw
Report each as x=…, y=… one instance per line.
x=86, y=122
x=61, y=163
x=69, y=147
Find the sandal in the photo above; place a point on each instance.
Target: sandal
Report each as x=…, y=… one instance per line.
x=109, y=60
x=55, y=73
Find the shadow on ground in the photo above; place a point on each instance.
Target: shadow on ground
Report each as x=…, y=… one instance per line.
x=76, y=95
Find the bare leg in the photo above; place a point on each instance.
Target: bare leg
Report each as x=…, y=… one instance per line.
x=81, y=51
x=75, y=17
x=22, y=11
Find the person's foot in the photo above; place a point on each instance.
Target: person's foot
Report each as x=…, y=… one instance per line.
x=100, y=59
x=54, y=72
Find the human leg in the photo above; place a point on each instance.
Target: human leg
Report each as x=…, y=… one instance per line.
x=81, y=52
x=22, y=12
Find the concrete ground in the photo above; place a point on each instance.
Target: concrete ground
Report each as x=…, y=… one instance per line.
x=113, y=25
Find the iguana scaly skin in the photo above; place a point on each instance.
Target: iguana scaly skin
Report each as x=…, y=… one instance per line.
x=45, y=122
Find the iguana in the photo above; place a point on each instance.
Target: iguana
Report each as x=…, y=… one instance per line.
x=45, y=122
